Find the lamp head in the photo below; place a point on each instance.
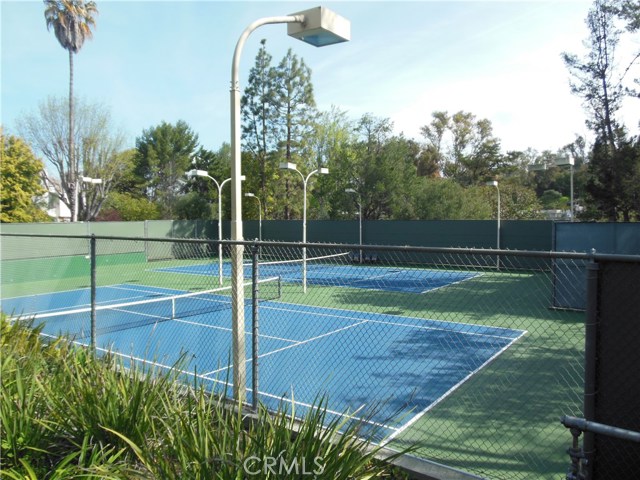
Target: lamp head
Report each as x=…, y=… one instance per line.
x=565, y=161
x=492, y=183
x=320, y=27
x=95, y=181
x=197, y=173
x=350, y=190
x=323, y=171
x=249, y=194
x=287, y=166
x=537, y=167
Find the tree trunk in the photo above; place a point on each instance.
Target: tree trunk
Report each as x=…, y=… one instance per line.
x=73, y=174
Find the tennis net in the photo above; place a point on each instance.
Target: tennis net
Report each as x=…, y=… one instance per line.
x=291, y=269
x=122, y=316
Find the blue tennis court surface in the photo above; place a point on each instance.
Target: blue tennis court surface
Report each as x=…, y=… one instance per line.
x=401, y=366
x=356, y=276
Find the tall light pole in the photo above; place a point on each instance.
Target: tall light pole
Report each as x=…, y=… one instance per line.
x=253, y=195
x=351, y=190
x=494, y=183
x=568, y=161
x=305, y=180
x=203, y=173
x=319, y=27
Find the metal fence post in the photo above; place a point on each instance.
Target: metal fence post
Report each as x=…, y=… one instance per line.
x=590, y=352
x=92, y=255
x=255, y=254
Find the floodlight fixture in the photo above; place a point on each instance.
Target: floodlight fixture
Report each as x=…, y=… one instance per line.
x=320, y=27
x=94, y=181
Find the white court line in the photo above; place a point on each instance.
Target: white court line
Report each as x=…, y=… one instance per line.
x=375, y=314
x=145, y=289
x=206, y=377
x=451, y=390
x=426, y=327
x=66, y=308
x=302, y=342
x=452, y=283
x=227, y=329
x=177, y=270
x=313, y=312
x=396, y=430
x=61, y=291
x=295, y=402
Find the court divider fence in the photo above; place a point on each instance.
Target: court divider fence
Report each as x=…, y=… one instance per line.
x=458, y=351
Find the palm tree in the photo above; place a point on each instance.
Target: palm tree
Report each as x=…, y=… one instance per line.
x=72, y=21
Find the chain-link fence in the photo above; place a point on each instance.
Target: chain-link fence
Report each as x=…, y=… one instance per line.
x=461, y=352
x=611, y=427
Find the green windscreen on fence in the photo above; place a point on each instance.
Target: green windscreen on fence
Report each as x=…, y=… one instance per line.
x=615, y=238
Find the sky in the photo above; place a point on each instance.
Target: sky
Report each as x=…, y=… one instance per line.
x=154, y=61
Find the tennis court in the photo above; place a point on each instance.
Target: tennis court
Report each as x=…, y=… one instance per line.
x=325, y=271
x=390, y=369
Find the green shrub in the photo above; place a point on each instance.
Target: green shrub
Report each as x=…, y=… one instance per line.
x=66, y=413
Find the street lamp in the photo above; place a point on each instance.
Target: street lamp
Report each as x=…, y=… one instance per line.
x=568, y=161
x=252, y=195
x=92, y=181
x=351, y=190
x=494, y=183
x=305, y=180
x=319, y=27
x=203, y=173
x=536, y=167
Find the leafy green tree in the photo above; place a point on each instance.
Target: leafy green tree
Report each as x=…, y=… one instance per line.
x=218, y=166
x=434, y=133
x=384, y=170
x=445, y=199
x=20, y=182
x=476, y=152
x=553, y=200
x=614, y=191
x=333, y=140
x=193, y=206
x=72, y=21
x=629, y=11
x=164, y=154
x=124, y=207
x=97, y=151
x=517, y=202
x=463, y=146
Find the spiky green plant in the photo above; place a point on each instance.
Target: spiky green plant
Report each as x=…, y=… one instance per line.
x=69, y=414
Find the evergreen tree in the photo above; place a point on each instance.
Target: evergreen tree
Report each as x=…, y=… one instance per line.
x=259, y=106
x=164, y=154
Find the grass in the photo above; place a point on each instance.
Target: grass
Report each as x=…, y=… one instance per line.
x=501, y=423
x=67, y=414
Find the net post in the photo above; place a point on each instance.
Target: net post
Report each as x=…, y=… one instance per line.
x=92, y=256
x=255, y=255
